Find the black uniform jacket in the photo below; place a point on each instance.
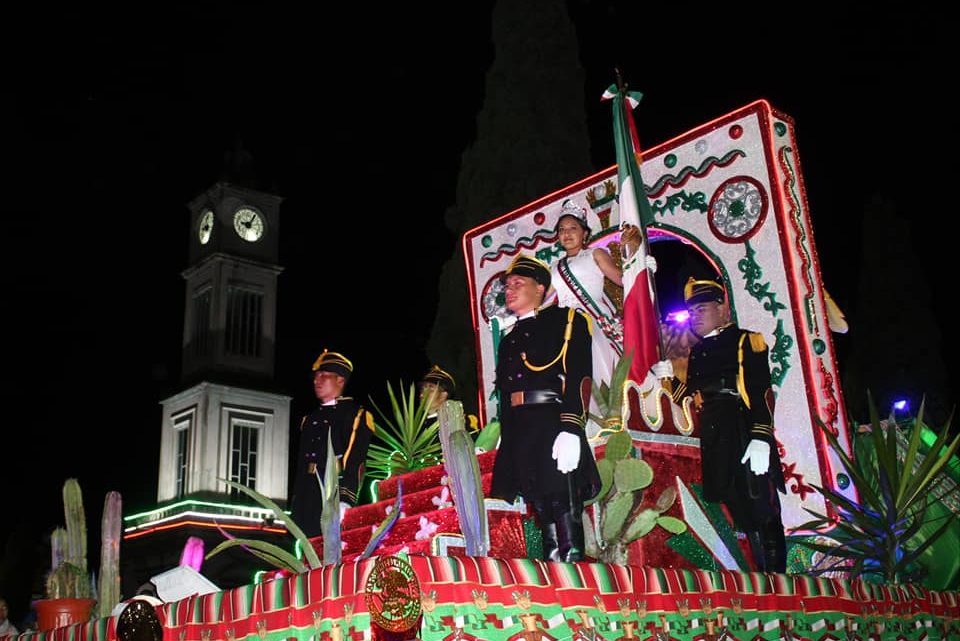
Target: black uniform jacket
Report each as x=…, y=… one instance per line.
x=543, y=381
x=729, y=376
x=350, y=428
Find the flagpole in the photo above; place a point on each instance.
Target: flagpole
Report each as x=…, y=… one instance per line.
x=640, y=193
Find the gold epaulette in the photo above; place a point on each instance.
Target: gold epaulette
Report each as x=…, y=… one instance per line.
x=473, y=423
x=370, y=424
x=757, y=344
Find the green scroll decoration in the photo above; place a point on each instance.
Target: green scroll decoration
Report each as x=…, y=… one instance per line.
x=683, y=200
x=549, y=253
x=780, y=354
x=752, y=273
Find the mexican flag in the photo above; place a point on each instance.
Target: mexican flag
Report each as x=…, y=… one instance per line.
x=641, y=331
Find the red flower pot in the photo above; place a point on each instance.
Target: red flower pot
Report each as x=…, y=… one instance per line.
x=57, y=613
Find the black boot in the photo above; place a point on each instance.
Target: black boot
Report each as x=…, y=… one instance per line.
x=550, y=542
x=774, y=547
x=757, y=550
x=548, y=529
x=570, y=537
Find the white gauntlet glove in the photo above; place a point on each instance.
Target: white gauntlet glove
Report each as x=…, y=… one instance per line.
x=651, y=264
x=662, y=369
x=566, y=452
x=758, y=453
x=344, y=506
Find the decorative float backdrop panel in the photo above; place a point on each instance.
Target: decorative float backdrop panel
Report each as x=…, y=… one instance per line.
x=732, y=190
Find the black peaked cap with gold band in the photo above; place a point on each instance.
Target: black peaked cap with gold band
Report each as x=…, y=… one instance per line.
x=530, y=267
x=333, y=362
x=442, y=379
x=702, y=291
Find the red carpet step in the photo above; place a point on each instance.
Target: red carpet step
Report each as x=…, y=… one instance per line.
x=427, y=477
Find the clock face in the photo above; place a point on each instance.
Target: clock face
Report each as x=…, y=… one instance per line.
x=248, y=223
x=206, y=227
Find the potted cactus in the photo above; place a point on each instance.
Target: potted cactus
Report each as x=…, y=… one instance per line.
x=68, y=584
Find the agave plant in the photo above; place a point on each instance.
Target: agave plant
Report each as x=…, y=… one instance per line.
x=877, y=535
x=330, y=524
x=406, y=441
x=269, y=552
x=620, y=515
x=609, y=397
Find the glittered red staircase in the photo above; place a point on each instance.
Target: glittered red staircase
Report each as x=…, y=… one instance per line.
x=428, y=523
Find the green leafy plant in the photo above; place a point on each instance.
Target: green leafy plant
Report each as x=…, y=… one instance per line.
x=609, y=397
x=877, y=535
x=406, y=442
x=489, y=436
x=620, y=515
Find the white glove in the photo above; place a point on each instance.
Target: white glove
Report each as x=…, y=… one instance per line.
x=662, y=369
x=344, y=506
x=566, y=452
x=651, y=264
x=758, y=453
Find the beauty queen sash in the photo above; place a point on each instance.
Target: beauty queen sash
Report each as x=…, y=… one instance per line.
x=611, y=324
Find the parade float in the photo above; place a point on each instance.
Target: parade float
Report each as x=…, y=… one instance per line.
x=732, y=193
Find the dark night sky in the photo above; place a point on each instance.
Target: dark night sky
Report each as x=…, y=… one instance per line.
x=115, y=118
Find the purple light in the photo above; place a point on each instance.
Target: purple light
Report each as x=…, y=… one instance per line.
x=901, y=405
x=679, y=317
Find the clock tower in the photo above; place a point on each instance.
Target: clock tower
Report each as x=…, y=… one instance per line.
x=230, y=421
x=231, y=297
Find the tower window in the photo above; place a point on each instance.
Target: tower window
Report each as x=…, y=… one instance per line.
x=244, y=313
x=201, y=323
x=181, y=433
x=244, y=435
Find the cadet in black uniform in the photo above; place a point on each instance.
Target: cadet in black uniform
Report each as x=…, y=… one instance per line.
x=543, y=382
x=349, y=426
x=728, y=375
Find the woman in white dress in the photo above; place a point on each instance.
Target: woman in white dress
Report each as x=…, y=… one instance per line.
x=577, y=278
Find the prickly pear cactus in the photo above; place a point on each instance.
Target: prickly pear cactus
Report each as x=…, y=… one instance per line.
x=619, y=513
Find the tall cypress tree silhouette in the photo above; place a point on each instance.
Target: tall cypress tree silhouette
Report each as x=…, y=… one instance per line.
x=531, y=139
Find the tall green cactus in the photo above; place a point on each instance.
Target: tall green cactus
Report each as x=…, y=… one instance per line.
x=68, y=578
x=76, y=552
x=58, y=547
x=109, y=588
